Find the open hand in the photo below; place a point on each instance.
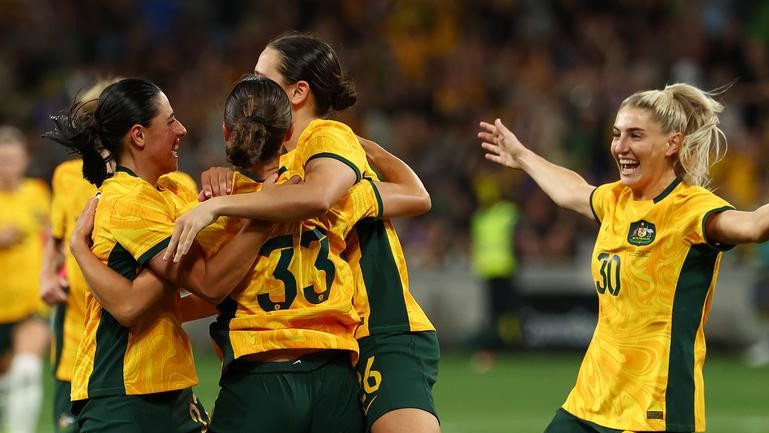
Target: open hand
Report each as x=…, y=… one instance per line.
x=187, y=228
x=215, y=182
x=501, y=145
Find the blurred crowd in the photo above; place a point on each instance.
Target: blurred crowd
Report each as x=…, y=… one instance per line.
x=426, y=72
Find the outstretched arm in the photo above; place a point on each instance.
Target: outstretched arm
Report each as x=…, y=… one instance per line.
x=733, y=227
x=402, y=192
x=565, y=187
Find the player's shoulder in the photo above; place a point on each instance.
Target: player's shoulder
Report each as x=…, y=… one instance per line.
x=35, y=186
x=177, y=181
x=696, y=197
x=69, y=168
x=327, y=126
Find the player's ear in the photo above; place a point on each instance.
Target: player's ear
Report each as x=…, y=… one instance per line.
x=299, y=92
x=674, y=144
x=136, y=134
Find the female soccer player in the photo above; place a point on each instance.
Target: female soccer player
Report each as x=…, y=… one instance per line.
x=23, y=332
x=140, y=364
x=399, y=347
x=61, y=282
x=655, y=261
x=294, y=318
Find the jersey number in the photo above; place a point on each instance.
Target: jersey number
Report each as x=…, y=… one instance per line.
x=609, y=274
x=283, y=274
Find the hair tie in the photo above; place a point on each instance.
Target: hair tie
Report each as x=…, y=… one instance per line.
x=109, y=160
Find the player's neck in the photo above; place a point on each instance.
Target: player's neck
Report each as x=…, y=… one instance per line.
x=302, y=118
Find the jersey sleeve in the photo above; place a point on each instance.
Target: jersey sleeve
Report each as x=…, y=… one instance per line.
x=334, y=142
x=58, y=204
x=696, y=213
x=365, y=201
x=142, y=225
x=598, y=201
x=181, y=184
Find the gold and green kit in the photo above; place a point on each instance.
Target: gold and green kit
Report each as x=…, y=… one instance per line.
x=299, y=294
x=383, y=298
x=134, y=221
x=655, y=272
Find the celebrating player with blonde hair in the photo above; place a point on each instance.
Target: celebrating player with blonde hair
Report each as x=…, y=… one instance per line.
x=655, y=261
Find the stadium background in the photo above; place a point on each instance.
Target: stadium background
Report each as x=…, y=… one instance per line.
x=426, y=72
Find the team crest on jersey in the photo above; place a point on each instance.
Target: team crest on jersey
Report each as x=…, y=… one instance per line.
x=641, y=233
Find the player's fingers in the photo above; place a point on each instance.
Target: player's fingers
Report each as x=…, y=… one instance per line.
x=486, y=136
x=487, y=127
x=171, y=248
x=228, y=183
x=491, y=147
x=184, y=246
x=501, y=127
x=496, y=158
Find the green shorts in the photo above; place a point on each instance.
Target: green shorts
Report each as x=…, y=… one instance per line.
x=6, y=332
x=397, y=371
x=165, y=412
x=316, y=393
x=6, y=337
x=564, y=422
x=64, y=420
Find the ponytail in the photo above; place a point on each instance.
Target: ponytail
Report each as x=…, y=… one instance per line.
x=78, y=131
x=97, y=133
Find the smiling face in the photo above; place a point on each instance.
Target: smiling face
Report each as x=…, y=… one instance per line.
x=645, y=154
x=162, y=137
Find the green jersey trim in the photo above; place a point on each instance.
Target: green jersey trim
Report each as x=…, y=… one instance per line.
x=340, y=159
x=381, y=277
x=705, y=220
x=380, y=209
x=592, y=208
x=691, y=292
x=152, y=252
x=666, y=192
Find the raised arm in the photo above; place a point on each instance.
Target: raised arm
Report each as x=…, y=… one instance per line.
x=565, y=187
x=733, y=227
x=401, y=190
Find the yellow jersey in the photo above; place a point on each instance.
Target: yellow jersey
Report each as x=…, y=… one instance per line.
x=300, y=293
x=70, y=194
x=655, y=272
x=26, y=210
x=383, y=298
x=133, y=223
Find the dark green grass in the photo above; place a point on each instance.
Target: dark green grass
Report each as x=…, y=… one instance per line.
x=522, y=392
